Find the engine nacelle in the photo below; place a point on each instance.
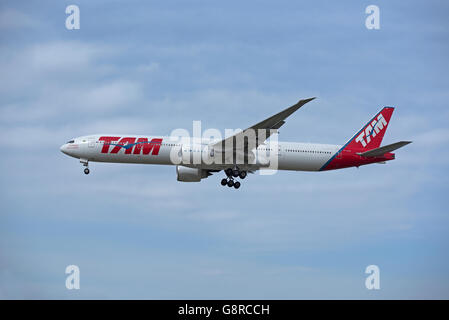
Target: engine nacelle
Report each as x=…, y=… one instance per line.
x=187, y=174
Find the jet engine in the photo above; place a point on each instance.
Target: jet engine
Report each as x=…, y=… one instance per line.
x=187, y=174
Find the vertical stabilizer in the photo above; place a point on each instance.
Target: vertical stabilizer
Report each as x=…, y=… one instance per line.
x=372, y=133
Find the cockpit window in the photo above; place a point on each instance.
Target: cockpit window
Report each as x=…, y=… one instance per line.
x=71, y=141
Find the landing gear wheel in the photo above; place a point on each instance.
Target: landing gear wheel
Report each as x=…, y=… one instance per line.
x=230, y=183
x=237, y=185
x=242, y=174
x=235, y=173
x=228, y=172
x=86, y=171
x=224, y=182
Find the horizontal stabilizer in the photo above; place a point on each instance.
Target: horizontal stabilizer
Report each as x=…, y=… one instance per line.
x=382, y=150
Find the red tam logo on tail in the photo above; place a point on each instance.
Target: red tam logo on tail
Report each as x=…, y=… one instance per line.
x=371, y=130
x=371, y=135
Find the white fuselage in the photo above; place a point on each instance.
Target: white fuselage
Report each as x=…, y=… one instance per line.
x=289, y=155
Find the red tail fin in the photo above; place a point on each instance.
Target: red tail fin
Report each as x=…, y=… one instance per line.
x=371, y=135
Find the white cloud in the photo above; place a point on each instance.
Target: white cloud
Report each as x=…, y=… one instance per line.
x=48, y=65
x=148, y=68
x=63, y=57
x=13, y=19
x=434, y=138
x=107, y=96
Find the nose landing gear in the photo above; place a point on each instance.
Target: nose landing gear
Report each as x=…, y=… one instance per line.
x=85, y=164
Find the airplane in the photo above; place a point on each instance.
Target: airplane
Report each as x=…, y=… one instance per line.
x=244, y=152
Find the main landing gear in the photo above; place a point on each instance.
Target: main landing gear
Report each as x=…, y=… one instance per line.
x=85, y=164
x=231, y=174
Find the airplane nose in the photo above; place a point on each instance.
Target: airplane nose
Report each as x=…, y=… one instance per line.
x=63, y=148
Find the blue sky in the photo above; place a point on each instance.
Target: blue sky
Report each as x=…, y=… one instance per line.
x=150, y=67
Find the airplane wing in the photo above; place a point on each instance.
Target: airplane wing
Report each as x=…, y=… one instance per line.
x=267, y=126
x=382, y=150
